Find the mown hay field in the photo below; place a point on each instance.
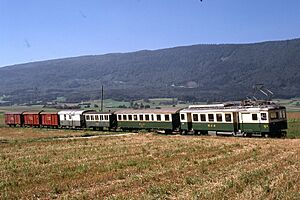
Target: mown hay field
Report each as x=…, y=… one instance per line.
x=147, y=166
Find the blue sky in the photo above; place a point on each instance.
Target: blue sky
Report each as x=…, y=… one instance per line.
x=33, y=30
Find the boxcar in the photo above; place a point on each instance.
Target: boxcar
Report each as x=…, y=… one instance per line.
x=100, y=120
x=32, y=118
x=14, y=118
x=166, y=119
x=50, y=119
x=72, y=118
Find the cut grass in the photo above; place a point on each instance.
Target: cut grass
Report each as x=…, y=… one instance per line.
x=150, y=166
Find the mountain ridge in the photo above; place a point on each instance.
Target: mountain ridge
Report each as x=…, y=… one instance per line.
x=203, y=72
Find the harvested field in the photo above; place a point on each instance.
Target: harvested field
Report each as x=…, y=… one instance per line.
x=149, y=166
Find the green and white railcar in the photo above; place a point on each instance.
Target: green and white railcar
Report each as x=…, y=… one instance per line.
x=267, y=119
x=150, y=119
x=100, y=120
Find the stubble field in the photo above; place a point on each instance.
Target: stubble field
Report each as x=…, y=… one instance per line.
x=146, y=166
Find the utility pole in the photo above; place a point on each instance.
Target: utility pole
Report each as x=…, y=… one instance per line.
x=102, y=98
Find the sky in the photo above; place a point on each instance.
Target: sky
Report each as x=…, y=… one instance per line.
x=34, y=30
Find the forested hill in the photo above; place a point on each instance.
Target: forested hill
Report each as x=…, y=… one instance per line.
x=200, y=72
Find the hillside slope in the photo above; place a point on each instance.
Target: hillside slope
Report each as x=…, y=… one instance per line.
x=202, y=72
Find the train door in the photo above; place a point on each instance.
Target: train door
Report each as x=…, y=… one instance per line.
x=236, y=123
x=189, y=121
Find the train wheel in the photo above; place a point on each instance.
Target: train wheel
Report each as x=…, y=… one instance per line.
x=266, y=135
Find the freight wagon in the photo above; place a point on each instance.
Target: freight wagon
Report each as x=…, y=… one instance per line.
x=14, y=118
x=32, y=118
x=50, y=119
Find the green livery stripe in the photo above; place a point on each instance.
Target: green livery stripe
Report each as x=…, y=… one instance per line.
x=145, y=125
x=97, y=124
x=213, y=126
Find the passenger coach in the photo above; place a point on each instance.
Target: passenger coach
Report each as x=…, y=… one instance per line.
x=100, y=120
x=166, y=119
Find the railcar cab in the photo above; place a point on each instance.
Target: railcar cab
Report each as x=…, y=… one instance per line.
x=266, y=120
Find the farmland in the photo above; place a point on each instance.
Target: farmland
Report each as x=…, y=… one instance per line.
x=146, y=166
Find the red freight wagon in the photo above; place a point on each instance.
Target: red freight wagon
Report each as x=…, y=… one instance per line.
x=50, y=119
x=32, y=118
x=14, y=118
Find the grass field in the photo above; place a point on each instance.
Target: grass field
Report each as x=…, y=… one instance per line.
x=147, y=166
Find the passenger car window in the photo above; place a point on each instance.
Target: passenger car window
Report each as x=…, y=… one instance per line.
x=147, y=117
x=195, y=117
x=203, y=117
x=124, y=117
x=101, y=117
x=119, y=117
x=228, y=117
x=97, y=117
x=263, y=116
x=167, y=118
x=130, y=117
x=219, y=117
x=106, y=117
x=87, y=117
x=92, y=117
x=254, y=117
x=141, y=117
x=211, y=117
x=182, y=117
x=135, y=117
x=158, y=117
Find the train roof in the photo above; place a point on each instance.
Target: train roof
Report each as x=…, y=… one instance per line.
x=149, y=111
x=13, y=113
x=230, y=108
x=49, y=112
x=32, y=112
x=97, y=112
x=72, y=112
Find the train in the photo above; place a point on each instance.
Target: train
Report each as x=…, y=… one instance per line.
x=265, y=119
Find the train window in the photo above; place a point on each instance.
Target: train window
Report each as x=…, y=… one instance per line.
x=119, y=117
x=152, y=117
x=263, y=116
x=97, y=117
x=158, y=117
x=147, y=117
x=219, y=117
x=92, y=117
x=141, y=117
x=228, y=117
x=283, y=114
x=182, y=116
x=254, y=117
x=167, y=118
x=202, y=117
x=124, y=117
x=195, y=117
x=135, y=117
x=130, y=117
x=87, y=117
x=211, y=117
x=273, y=115
x=65, y=117
x=101, y=117
x=106, y=117
x=70, y=117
